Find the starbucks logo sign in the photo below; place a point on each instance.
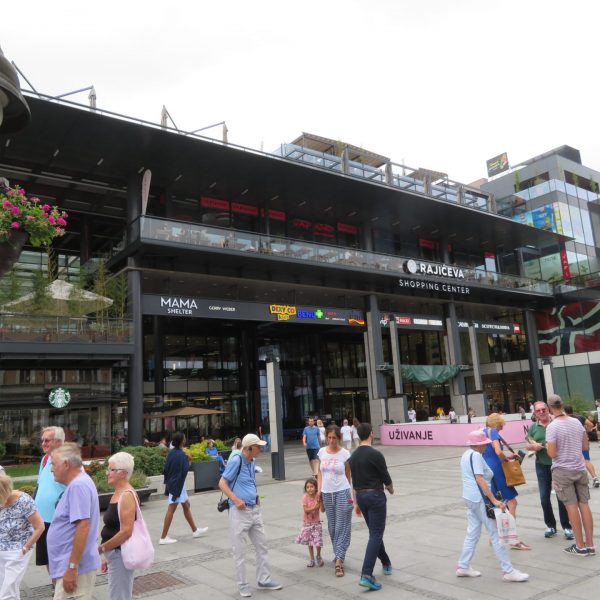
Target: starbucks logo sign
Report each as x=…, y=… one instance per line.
x=59, y=397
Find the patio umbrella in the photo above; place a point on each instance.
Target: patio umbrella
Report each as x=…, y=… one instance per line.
x=63, y=299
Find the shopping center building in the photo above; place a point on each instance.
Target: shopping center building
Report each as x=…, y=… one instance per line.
x=375, y=286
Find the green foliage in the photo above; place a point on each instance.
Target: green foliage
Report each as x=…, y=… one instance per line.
x=150, y=461
x=2, y=449
x=10, y=287
x=117, y=290
x=22, y=470
x=593, y=184
x=41, y=297
x=517, y=182
x=198, y=451
x=137, y=480
x=25, y=486
x=581, y=405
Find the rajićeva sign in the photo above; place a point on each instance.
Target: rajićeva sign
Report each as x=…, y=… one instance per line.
x=445, y=434
x=440, y=270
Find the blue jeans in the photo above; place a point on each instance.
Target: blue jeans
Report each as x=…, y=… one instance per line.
x=476, y=517
x=544, y=477
x=373, y=505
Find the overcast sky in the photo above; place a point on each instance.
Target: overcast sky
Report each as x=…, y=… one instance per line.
x=441, y=84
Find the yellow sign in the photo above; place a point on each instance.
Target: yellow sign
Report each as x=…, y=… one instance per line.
x=282, y=311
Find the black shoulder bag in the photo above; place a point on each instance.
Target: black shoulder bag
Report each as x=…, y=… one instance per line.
x=223, y=503
x=489, y=507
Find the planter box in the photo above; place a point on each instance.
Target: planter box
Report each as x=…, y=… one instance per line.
x=143, y=494
x=206, y=475
x=156, y=481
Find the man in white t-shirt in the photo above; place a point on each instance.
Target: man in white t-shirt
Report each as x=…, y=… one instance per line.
x=412, y=415
x=566, y=440
x=346, y=431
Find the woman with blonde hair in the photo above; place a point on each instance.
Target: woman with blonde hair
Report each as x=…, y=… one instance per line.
x=20, y=527
x=118, y=526
x=494, y=456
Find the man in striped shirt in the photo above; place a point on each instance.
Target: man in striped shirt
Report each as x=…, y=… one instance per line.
x=566, y=439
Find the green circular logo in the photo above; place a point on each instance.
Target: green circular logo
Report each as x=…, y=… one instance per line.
x=59, y=397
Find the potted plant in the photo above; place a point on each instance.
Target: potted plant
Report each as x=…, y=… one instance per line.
x=23, y=218
x=205, y=467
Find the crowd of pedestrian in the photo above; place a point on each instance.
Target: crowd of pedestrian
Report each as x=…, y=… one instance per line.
x=347, y=474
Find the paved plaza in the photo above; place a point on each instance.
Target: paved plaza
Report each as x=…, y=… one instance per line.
x=425, y=530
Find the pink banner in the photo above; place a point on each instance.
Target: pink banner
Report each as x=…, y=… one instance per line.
x=445, y=434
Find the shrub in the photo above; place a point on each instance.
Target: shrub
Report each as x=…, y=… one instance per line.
x=138, y=480
x=198, y=451
x=28, y=488
x=149, y=460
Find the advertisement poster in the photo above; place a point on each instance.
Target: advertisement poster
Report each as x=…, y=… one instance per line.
x=551, y=266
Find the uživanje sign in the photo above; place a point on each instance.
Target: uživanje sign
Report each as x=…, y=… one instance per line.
x=436, y=433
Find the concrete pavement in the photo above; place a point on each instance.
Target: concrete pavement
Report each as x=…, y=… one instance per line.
x=425, y=530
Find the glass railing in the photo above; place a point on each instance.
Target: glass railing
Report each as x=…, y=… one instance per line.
x=447, y=190
x=64, y=330
x=198, y=235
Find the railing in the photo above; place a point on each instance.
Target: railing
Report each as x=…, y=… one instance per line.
x=198, y=235
x=61, y=330
x=393, y=175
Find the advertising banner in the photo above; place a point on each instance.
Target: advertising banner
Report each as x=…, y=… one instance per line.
x=497, y=165
x=445, y=434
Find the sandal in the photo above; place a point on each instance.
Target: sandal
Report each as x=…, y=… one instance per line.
x=310, y=564
x=339, y=570
x=319, y=562
x=520, y=546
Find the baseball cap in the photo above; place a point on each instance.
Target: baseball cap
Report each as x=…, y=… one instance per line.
x=478, y=438
x=554, y=401
x=251, y=439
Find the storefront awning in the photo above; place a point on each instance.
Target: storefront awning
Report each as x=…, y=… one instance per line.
x=429, y=374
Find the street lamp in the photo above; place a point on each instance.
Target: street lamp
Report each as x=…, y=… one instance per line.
x=14, y=112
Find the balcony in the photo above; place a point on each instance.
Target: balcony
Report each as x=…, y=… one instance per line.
x=26, y=329
x=394, y=175
x=216, y=239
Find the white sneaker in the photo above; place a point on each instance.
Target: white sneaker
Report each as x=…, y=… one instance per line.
x=167, y=540
x=467, y=572
x=515, y=575
x=200, y=531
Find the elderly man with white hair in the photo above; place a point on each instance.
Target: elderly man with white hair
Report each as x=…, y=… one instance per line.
x=72, y=547
x=118, y=526
x=48, y=489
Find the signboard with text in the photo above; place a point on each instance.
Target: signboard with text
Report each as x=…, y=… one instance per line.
x=202, y=308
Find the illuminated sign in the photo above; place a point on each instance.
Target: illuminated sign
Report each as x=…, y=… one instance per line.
x=59, y=397
x=437, y=269
x=283, y=312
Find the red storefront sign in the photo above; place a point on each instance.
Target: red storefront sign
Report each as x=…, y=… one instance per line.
x=244, y=209
x=208, y=202
x=345, y=228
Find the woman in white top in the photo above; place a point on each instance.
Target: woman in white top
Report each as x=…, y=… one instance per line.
x=322, y=435
x=334, y=485
x=346, y=431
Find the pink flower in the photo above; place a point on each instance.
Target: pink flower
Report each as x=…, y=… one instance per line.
x=61, y=221
x=35, y=200
x=7, y=204
x=29, y=218
x=51, y=220
x=46, y=207
x=15, y=210
x=15, y=225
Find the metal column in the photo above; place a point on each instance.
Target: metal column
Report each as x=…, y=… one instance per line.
x=275, y=418
x=135, y=383
x=533, y=355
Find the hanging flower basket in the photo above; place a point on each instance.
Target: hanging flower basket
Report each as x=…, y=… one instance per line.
x=23, y=218
x=10, y=250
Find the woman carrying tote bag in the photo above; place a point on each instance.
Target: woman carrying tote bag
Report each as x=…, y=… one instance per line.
x=119, y=525
x=494, y=456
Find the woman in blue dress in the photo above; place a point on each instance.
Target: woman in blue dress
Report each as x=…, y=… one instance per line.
x=494, y=456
